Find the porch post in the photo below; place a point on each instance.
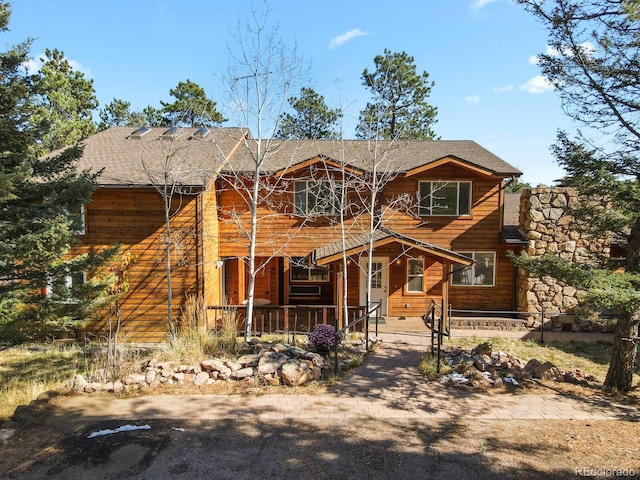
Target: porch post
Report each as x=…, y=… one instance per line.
x=338, y=298
x=445, y=293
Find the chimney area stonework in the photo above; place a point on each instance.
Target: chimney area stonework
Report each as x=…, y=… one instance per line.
x=547, y=222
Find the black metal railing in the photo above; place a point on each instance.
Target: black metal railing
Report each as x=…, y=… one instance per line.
x=374, y=310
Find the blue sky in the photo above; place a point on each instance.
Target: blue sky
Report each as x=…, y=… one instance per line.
x=479, y=53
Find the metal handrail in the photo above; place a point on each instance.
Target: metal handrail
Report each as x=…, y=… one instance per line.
x=374, y=309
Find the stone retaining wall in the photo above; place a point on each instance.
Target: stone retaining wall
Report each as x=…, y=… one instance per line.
x=548, y=224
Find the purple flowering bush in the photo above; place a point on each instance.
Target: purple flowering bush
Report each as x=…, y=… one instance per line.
x=323, y=335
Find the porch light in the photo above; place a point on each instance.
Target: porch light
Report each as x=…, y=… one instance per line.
x=219, y=263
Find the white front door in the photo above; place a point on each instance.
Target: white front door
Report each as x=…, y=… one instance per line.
x=379, y=281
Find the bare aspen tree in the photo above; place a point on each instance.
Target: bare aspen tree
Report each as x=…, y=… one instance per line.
x=263, y=73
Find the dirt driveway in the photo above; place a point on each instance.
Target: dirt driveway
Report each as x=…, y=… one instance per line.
x=321, y=449
x=382, y=422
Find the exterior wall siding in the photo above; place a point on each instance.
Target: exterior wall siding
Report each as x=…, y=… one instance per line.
x=134, y=218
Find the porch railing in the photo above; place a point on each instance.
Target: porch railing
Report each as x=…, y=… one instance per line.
x=279, y=318
x=363, y=320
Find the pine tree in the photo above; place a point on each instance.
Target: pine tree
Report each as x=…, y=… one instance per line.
x=40, y=210
x=191, y=107
x=64, y=103
x=313, y=118
x=399, y=107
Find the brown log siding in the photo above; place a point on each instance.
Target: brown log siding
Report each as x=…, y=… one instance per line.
x=134, y=218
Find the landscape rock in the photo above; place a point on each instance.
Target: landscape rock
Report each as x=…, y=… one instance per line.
x=77, y=384
x=134, y=379
x=295, y=373
x=212, y=364
x=242, y=373
x=201, y=378
x=269, y=363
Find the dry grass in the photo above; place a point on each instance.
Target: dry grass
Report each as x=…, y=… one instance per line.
x=27, y=371
x=592, y=357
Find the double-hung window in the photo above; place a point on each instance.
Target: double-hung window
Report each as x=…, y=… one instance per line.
x=301, y=271
x=62, y=287
x=444, y=198
x=317, y=197
x=415, y=275
x=481, y=273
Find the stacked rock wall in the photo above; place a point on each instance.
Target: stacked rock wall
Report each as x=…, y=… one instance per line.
x=548, y=225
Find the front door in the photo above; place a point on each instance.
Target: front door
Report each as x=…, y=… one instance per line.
x=379, y=281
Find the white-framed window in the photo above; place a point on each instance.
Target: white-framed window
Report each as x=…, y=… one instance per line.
x=82, y=227
x=79, y=221
x=301, y=271
x=444, y=198
x=317, y=197
x=415, y=275
x=63, y=286
x=481, y=274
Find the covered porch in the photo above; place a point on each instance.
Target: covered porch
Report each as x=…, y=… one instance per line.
x=296, y=293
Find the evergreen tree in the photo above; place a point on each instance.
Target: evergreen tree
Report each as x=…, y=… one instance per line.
x=191, y=107
x=40, y=210
x=64, y=103
x=313, y=118
x=116, y=114
x=399, y=108
x=594, y=65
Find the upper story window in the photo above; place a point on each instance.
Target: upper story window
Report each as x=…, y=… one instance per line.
x=444, y=198
x=301, y=271
x=481, y=273
x=317, y=197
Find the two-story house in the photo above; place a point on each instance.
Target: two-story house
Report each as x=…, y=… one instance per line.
x=430, y=213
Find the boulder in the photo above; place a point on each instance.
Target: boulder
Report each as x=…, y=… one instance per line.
x=134, y=379
x=77, y=384
x=249, y=360
x=483, y=349
x=242, y=373
x=201, y=378
x=213, y=364
x=270, y=362
x=150, y=376
x=295, y=373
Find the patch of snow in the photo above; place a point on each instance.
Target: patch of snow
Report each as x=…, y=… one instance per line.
x=124, y=428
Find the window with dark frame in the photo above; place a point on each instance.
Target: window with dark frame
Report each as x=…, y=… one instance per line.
x=301, y=271
x=317, y=197
x=444, y=198
x=480, y=274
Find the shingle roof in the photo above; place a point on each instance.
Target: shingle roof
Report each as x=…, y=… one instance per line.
x=325, y=253
x=126, y=160
x=131, y=161
x=399, y=156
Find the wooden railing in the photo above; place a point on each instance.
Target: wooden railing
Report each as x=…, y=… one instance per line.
x=279, y=318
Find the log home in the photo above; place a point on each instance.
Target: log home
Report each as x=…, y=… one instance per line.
x=431, y=213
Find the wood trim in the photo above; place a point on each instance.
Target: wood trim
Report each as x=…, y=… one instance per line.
x=444, y=161
x=314, y=160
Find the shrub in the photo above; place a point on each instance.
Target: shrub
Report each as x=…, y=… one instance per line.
x=323, y=335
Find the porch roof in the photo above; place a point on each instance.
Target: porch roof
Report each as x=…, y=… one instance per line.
x=358, y=243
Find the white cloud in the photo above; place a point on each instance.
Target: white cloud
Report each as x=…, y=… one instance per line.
x=345, y=37
x=506, y=88
x=33, y=66
x=534, y=60
x=472, y=99
x=537, y=84
x=478, y=4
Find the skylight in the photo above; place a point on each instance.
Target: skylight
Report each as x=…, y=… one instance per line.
x=139, y=132
x=201, y=133
x=170, y=133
